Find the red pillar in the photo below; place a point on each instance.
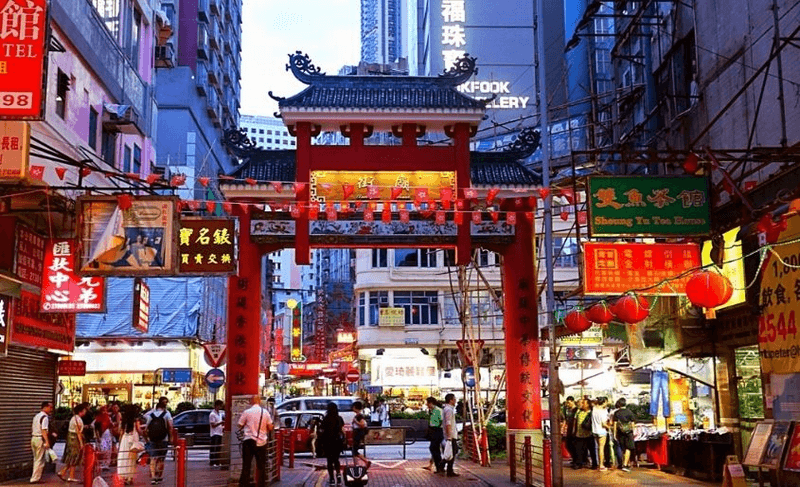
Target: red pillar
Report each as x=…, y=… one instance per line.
x=244, y=319
x=524, y=407
x=303, y=175
x=463, y=180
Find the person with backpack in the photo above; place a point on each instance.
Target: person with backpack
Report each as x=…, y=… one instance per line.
x=624, y=421
x=158, y=428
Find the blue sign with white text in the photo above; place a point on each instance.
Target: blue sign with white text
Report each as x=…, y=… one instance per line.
x=179, y=376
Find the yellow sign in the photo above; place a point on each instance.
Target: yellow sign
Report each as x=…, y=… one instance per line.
x=591, y=337
x=778, y=339
x=378, y=185
x=392, y=317
x=14, y=149
x=733, y=266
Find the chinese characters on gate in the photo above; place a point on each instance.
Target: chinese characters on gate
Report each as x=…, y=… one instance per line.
x=62, y=290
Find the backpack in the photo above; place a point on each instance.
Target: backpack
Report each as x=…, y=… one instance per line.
x=157, y=429
x=625, y=428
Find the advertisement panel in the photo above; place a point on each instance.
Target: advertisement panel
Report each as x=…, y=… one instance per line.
x=778, y=340
x=792, y=461
x=648, y=205
x=32, y=328
x=392, y=317
x=15, y=138
x=29, y=255
x=207, y=246
x=612, y=268
x=5, y=323
x=72, y=367
x=134, y=240
x=63, y=291
x=141, y=306
x=23, y=59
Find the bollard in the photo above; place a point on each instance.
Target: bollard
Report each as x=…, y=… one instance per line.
x=278, y=456
x=548, y=463
x=180, y=459
x=512, y=457
x=89, y=460
x=527, y=459
x=484, y=450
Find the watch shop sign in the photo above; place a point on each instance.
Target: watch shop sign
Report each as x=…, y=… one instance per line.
x=23, y=56
x=62, y=290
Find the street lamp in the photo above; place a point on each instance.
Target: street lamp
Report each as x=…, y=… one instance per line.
x=291, y=303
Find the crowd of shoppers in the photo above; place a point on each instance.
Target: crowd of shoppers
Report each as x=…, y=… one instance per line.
x=595, y=435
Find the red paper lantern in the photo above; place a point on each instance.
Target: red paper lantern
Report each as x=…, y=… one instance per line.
x=692, y=163
x=600, y=313
x=577, y=322
x=631, y=309
x=708, y=289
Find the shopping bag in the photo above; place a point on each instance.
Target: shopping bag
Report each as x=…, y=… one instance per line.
x=447, y=450
x=51, y=455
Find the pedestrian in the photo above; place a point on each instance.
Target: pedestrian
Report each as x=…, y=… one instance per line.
x=40, y=440
x=256, y=425
x=384, y=415
x=599, y=430
x=584, y=441
x=375, y=415
x=103, y=437
x=130, y=444
x=73, y=452
x=331, y=433
x=216, y=422
x=359, y=426
x=624, y=421
x=116, y=430
x=158, y=426
x=450, y=432
x=435, y=434
x=568, y=427
x=313, y=434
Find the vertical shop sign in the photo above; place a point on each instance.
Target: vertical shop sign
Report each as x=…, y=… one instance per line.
x=14, y=149
x=297, y=334
x=778, y=340
x=207, y=246
x=24, y=36
x=5, y=323
x=29, y=257
x=32, y=328
x=141, y=305
x=319, y=326
x=62, y=290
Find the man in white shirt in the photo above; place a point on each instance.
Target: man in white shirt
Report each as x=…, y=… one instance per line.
x=599, y=424
x=216, y=427
x=256, y=424
x=450, y=431
x=40, y=441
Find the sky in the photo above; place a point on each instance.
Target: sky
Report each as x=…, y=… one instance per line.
x=326, y=30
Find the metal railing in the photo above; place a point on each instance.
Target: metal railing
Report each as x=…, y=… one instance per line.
x=527, y=460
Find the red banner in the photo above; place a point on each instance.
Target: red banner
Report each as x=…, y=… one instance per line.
x=613, y=268
x=64, y=291
x=23, y=29
x=32, y=328
x=29, y=260
x=5, y=323
x=72, y=367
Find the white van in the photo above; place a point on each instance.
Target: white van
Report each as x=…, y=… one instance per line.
x=320, y=404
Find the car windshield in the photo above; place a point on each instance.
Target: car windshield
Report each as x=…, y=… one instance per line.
x=321, y=404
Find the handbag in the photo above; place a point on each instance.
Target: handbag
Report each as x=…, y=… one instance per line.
x=447, y=450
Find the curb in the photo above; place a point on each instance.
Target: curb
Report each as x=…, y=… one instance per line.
x=479, y=475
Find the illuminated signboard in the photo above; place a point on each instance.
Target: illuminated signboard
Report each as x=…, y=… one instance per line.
x=141, y=306
x=297, y=331
x=379, y=185
x=14, y=148
x=207, y=246
x=5, y=322
x=23, y=56
x=732, y=267
x=63, y=291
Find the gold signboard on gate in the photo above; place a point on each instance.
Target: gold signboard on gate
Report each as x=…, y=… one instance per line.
x=381, y=185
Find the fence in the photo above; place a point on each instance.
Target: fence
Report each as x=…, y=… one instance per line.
x=529, y=459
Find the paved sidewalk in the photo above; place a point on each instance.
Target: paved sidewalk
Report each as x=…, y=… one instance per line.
x=402, y=473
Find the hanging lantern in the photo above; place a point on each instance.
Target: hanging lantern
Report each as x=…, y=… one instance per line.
x=691, y=164
x=600, y=313
x=708, y=289
x=631, y=309
x=577, y=322
x=211, y=206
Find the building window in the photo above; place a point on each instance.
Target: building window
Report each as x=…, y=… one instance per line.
x=269, y=132
x=92, y=128
x=261, y=131
x=109, y=12
x=109, y=147
x=486, y=258
x=422, y=307
x=126, y=160
x=362, y=308
x=261, y=139
x=252, y=130
x=133, y=43
x=414, y=258
x=377, y=300
x=380, y=258
x=137, y=159
x=566, y=250
x=62, y=87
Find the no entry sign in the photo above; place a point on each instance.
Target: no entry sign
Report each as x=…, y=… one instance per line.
x=353, y=375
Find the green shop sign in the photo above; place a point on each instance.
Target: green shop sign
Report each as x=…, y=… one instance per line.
x=648, y=205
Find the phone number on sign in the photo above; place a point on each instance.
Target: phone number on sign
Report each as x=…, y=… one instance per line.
x=770, y=328
x=16, y=99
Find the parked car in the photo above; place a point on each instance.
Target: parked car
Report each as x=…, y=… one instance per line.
x=299, y=423
x=319, y=404
x=193, y=422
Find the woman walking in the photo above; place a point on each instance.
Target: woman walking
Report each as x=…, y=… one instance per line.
x=129, y=444
x=73, y=453
x=331, y=433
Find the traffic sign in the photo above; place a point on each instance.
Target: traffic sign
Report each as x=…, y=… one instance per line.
x=215, y=378
x=469, y=377
x=353, y=375
x=215, y=353
x=282, y=368
x=352, y=388
x=176, y=375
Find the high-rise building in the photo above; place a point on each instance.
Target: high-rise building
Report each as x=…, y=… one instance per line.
x=267, y=132
x=381, y=31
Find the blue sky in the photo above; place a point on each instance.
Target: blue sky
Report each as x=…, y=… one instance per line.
x=326, y=30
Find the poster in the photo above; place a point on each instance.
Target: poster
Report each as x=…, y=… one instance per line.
x=792, y=461
x=63, y=291
x=758, y=443
x=778, y=340
x=773, y=452
x=135, y=241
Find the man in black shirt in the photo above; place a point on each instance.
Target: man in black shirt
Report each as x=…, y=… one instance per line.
x=624, y=422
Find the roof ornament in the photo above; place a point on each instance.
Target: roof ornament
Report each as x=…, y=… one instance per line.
x=302, y=67
x=527, y=142
x=462, y=70
x=238, y=142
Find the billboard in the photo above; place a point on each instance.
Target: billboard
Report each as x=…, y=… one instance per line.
x=138, y=240
x=23, y=59
x=207, y=246
x=32, y=328
x=15, y=138
x=63, y=291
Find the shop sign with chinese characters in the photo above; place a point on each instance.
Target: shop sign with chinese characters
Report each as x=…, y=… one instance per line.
x=72, y=367
x=648, y=205
x=63, y=291
x=392, y=316
x=23, y=58
x=14, y=149
x=778, y=339
x=32, y=328
x=379, y=185
x=207, y=246
x=297, y=334
x=612, y=268
x=5, y=323
x=29, y=257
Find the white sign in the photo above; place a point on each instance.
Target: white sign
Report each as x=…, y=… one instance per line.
x=396, y=371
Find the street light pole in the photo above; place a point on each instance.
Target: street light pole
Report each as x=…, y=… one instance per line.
x=544, y=124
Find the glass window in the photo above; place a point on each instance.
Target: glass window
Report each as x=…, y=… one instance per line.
x=449, y=257
x=62, y=87
x=252, y=130
x=362, y=308
x=269, y=132
x=137, y=159
x=133, y=52
x=109, y=12
x=261, y=131
x=749, y=387
x=422, y=307
x=414, y=258
x=126, y=161
x=380, y=258
x=566, y=252
x=377, y=300
x=109, y=147
x=92, y=128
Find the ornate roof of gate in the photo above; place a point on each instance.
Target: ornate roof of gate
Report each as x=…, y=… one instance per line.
x=380, y=93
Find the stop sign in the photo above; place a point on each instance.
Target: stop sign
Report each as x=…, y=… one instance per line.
x=353, y=375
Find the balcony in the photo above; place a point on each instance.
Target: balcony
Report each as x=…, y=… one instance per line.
x=214, y=71
x=212, y=105
x=201, y=78
x=202, y=10
x=120, y=119
x=202, y=42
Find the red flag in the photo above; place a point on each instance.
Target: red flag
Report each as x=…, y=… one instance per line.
x=582, y=218
x=373, y=191
x=330, y=213
x=36, y=172
x=211, y=206
x=369, y=216
x=124, y=201
x=277, y=186
x=440, y=217
x=298, y=187
x=85, y=171
x=386, y=214
x=446, y=193
x=404, y=216
x=495, y=216
x=511, y=218
x=294, y=210
x=565, y=215
x=544, y=193
x=347, y=190
x=396, y=191
x=193, y=205
x=491, y=195
x=421, y=194
x=529, y=216
x=130, y=175
x=228, y=207
x=313, y=213
x=152, y=178
x=568, y=194
x=61, y=171
x=476, y=217
x=458, y=217
x=470, y=193
x=460, y=204
x=203, y=180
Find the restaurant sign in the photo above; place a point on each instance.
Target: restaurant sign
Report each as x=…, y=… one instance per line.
x=23, y=58
x=72, y=367
x=648, y=205
x=392, y=317
x=63, y=291
x=207, y=246
x=612, y=268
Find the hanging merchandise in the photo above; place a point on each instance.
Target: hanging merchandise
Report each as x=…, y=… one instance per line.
x=631, y=308
x=659, y=393
x=600, y=313
x=577, y=322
